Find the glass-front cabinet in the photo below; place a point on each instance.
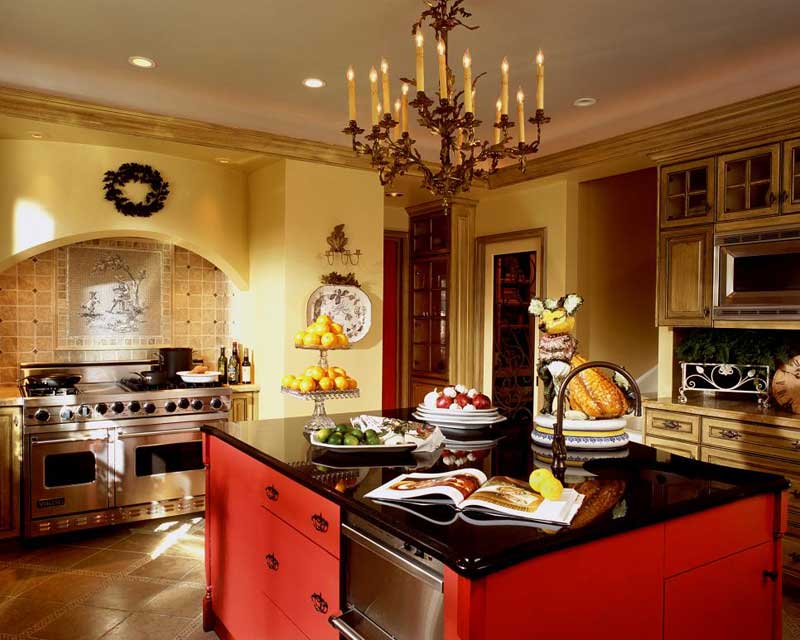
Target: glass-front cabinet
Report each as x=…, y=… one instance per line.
x=687, y=193
x=748, y=183
x=791, y=176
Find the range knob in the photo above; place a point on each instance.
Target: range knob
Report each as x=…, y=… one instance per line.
x=149, y=408
x=65, y=414
x=135, y=407
x=118, y=407
x=170, y=406
x=183, y=403
x=42, y=415
x=197, y=405
x=101, y=408
x=85, y=411
x=216, y=403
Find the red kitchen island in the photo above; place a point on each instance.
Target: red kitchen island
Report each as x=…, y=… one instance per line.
x=663, y=547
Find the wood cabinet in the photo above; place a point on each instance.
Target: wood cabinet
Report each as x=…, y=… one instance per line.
x=685, y=277
x=687, y=193
x=677, y=447
x=790, y=194
x=748, y=183
x=244, y=403
x=10, y=461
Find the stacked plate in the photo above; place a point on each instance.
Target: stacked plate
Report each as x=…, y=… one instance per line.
x=582, y=434
x=448, y=419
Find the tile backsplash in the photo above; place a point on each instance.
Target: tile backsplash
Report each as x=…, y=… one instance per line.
x=200, y=310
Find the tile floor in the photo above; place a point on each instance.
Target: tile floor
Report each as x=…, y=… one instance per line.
x=142, y=581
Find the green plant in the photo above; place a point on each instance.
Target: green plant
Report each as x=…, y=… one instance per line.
x=737, y=346
x=338, y=279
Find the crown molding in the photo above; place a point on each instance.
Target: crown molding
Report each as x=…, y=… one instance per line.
x=741, y=124
x=20, y=103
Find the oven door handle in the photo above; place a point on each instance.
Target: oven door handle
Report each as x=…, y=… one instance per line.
x=35, y=440
x=401, y=561
x=165, y=432
x=345, y=629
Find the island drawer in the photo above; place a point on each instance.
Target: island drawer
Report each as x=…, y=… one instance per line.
x=672, y=424
x=313, y=516
x=275, y=620
x=677, y=447
x=300, y=577
x=752, y=438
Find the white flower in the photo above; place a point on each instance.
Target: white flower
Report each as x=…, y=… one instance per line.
x=455, y=407
x=460, y=388
x=450, y=392
x=472, y=393
x=469, y=407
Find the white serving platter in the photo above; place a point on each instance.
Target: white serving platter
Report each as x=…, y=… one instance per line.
x=460, y=418
x=198, y=378
x=455, y=424
x=365, y=448
x=548, y=422
x=443, y=412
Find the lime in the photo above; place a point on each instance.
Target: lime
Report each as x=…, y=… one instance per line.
x=322, y=435
x=373, y=440
x=351, y=441
x=357, y=433
x=343, y=428
x=335, y=438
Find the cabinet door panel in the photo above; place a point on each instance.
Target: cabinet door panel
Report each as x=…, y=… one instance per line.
x=674, y=446
x=748, y=183
x=687, y=193
x=697, y=603
x=791, y=176
x=280, y=627
x=685, y=277
x=10, y=456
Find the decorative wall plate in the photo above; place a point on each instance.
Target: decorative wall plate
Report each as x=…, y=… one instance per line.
x=346, y=305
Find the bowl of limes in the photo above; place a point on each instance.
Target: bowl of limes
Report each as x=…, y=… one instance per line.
x=352, y=439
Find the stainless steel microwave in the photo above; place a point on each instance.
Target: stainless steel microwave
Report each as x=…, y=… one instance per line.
x=757, y=274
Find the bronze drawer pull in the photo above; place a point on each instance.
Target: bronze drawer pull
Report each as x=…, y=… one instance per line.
x=320, y=606
x=320, y=523
x=794, y=556
x=796, y=444
x=272, y=493
x=772, y=575
x=671, y=424
x=730, y=434
x=272, y=562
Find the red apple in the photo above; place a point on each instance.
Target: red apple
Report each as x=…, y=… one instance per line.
x=462, y=399
x=482, y=401
x=443, y=402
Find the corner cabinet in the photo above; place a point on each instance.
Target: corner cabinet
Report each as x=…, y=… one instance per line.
x=244, y=402
x=685, y=277
x=687, y=192
x=10, y=461
x=748, y=183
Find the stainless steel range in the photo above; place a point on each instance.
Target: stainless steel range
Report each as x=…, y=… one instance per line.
x=102, y=447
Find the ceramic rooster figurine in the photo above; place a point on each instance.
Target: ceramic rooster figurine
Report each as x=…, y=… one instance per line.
x=592, y=393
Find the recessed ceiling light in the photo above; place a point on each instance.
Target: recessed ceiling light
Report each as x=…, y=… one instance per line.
x=395, y=194
x=585, y=102
x=224, y=160
x=37, y=135
x=313, y=83
x=142, y=62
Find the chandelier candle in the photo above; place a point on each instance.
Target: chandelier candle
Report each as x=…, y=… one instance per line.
x=468, y=103
x=419, y=39
x=448, y=113
x=373, y=89
x=351, y=93
x=540, y=81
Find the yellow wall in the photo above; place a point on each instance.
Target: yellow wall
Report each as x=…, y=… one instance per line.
x=395, y=218
x=51, y=194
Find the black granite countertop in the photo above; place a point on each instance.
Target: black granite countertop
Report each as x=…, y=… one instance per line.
x=635, y=487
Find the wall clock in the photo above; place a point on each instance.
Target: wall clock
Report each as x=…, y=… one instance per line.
x=786, y=385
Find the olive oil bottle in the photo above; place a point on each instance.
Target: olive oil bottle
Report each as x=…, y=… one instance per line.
x=234, y=366
x=222, y=366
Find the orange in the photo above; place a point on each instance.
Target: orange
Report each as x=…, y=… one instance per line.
x=295, y=384
x=326, y=384
x=298, y=338
x=342, y=340
x=287, y=381
x=328, y=340
x=307, y=385
x=337, y=371
x=331, y=373
x=341, y=383
x=352, y=383
x=315, y=373
x=336, y=327
x=311, y=340
x=321, y=329
x=310, y=328
x=323, y=319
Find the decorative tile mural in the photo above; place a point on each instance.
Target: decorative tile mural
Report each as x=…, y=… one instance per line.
x=195, y=304
x=114, y=295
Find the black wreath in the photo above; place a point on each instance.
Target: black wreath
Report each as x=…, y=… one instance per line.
x=133, y=172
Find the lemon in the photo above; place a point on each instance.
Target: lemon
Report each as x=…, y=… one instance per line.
x=323, y=319
x=342, y=340
x=551, y=489
x=311, y=340
x=287, y=381
x=298, y=338
x=336, y=328
x=538, y=477
x=328, y=340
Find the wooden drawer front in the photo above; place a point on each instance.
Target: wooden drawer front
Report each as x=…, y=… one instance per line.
x=676, y=447
x=758, y=463
x=313, y=516
x=752, y=438
x=670, y=424
x=276, y=624
x=301, y=578
x=791, y=555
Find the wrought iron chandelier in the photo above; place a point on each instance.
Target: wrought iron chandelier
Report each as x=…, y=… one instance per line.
x=449, y=115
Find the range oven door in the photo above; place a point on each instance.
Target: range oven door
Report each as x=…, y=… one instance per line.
x=161, y=462
x=68, y=472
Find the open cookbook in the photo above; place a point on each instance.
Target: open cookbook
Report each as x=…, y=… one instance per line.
x=470, y=489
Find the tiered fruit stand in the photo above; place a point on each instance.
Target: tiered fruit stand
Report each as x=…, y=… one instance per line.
x=320, y=418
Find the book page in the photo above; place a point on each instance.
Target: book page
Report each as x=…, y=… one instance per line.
x=455, y=485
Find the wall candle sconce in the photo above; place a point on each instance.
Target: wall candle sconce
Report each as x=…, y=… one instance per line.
x=337, y=242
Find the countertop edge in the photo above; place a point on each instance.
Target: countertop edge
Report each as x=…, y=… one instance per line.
x=474, y=568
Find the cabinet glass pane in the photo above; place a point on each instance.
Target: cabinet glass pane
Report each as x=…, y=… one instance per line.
x=676, y=207
x=419, y=357
x=439, y=274
x=422, y=244
x=676, y=183
x=796, y=161
x=421, y=303
x=441, y=332
x=697, y=204
x=698, y=180
x=735, y=199
x=735, y=173
x=421, y=331
x=438, y=303
x=760, y=167
x=759, y=194
x=421, y=275
x=420, y=228
x=796, y=192
x=440, y=231
x=439, y=359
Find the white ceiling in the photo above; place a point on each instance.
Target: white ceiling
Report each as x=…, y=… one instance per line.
x=241, y=63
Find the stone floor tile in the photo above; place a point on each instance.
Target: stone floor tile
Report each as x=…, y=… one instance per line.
x=82, y=623
x=179, y=600
x=111, y=561
x=167, y=568
x=19, y=614
x=140, y=542
x=148, y=626
x=59, y=555
x=125, y=594
x=66, y=587
x=16, y=580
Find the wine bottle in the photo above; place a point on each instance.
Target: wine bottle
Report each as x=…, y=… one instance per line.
x=246, y=370
x=222, y=366
x=234, y=365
